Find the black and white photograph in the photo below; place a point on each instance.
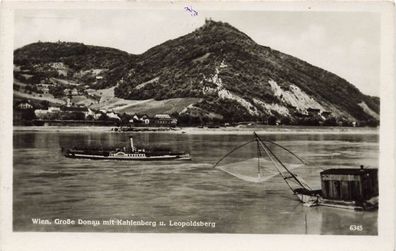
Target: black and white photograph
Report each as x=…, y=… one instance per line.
x=198, y=119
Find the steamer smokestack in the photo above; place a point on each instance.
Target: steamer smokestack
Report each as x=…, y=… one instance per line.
x=132, y=147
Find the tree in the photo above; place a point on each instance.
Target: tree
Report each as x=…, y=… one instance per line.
x=57, y=91
x=330, y=122
x=285, y=121
x=175, y=115
x=372, y=123
x=125, y=118
x=44, y=104
x=271, y=120
x=73, y=116
x=89, y=117
x=311, y=121
x=28, y=114
x=103, y=117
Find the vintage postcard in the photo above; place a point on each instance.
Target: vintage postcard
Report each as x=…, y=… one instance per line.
x=197, y=125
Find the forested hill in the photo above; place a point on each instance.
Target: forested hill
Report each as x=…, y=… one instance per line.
x=232, y=77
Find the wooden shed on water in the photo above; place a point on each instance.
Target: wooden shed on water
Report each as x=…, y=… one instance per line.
x=358, y=185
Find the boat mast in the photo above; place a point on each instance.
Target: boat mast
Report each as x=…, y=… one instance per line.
x=258, y=159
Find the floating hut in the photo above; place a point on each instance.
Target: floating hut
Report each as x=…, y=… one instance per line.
x=349, y=187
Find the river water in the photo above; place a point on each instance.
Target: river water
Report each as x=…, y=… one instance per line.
x=48, y=186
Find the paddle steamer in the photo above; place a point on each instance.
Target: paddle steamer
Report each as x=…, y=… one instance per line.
x=125, y=153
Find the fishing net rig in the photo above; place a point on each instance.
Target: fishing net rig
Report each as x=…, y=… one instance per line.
x=266, y=164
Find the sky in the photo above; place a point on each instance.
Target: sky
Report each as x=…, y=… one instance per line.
x=345, y=43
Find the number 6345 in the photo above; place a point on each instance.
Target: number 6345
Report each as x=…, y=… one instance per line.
x=356, y=228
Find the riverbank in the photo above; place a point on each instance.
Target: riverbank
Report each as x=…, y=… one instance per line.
x=194, y=130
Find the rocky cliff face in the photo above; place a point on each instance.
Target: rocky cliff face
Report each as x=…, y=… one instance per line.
x=234, y=78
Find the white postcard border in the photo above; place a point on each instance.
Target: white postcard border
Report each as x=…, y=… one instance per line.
x=133, y=241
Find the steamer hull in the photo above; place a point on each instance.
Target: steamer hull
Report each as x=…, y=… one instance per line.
x=137, y=158
x=130, y=154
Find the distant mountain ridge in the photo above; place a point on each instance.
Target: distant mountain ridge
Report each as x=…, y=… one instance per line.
x=232, y=77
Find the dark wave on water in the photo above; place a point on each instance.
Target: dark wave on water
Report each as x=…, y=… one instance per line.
x=50, y=186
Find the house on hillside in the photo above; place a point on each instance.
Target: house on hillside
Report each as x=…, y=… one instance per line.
x=300, y=115
x=91, y=113
x=90, y=91
x=74, y=92
x=97, y=115
x=112, y=115
x=23, y=112
x=223, y=64
x=75, y=110
x=41, y=113
x=49, y=113
x=140, y=120
x=54, y=109
x=44, y=88
x=313, y=111
x=325, y=114
x=24, y=106
x=67, y=91
x=145, y=119
x=135, y=118
x=164, y=120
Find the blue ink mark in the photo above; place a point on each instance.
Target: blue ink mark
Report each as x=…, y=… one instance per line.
x=190, y=10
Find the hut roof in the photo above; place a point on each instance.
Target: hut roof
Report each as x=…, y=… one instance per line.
x=349, y=171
